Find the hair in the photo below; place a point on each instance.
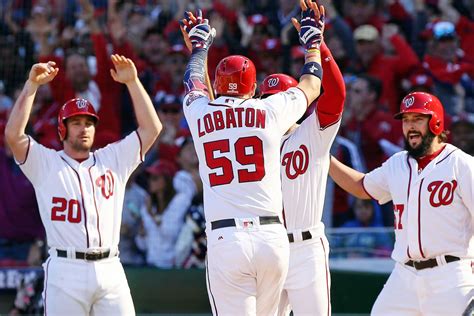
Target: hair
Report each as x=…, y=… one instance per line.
x=168, y=193
x=374, y=84
x=152, y=31
x=443, y=137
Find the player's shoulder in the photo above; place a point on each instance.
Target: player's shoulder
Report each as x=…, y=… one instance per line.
x=454, y=153
x=195, y=96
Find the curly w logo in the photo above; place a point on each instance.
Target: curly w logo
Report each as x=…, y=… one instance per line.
x=296, y=162
x=442, y=193
x=106, y=183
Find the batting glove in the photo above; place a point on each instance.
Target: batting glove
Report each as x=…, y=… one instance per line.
x=311, y=32
x=200, y=33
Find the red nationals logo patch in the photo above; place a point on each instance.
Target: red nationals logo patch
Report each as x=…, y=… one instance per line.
x=296, y=162
x=442, y=193
x=106, y=183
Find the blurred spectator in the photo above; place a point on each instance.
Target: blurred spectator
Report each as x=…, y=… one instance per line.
x=338, y=203
x=163, y=214
x=20, y=222
x=452, y=73
x=368, y=125
x=134, y=200
x=170, y=112
x=462, y=133
x=389, y=69
x=367, y=244
x=360, y=12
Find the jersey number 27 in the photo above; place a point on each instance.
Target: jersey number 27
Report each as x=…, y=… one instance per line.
x=248, y=151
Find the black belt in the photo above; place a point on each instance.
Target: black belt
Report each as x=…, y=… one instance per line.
x=430, y=263
x=230, y=222
x=89, y=256
x=306, y=235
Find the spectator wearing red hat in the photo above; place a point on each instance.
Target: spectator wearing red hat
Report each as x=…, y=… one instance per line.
x=171, y=194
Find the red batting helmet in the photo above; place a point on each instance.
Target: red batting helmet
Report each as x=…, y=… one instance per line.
x=424, y=103
x=72, y=108
x=235, y=75
x=277, y=83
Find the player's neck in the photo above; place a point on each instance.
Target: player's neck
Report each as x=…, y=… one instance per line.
x=80, y=156
x=435, y=147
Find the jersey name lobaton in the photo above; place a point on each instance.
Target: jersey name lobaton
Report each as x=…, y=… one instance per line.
x=231, y=118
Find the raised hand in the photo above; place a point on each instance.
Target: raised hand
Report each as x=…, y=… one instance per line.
x=43, y=73
x=125, y=71
x=200, y=33
x=311, y=27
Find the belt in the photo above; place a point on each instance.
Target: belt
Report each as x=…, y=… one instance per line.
x=430, y=263
x=88, y=256
x=306, y=235
x=230, y=222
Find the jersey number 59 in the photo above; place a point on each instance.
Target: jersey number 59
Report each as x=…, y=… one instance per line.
x=248, y=151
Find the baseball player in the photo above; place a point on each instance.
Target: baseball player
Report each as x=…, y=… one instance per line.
x=80, y=194
x=237, y=140
x=304, y=170
x=431, y=185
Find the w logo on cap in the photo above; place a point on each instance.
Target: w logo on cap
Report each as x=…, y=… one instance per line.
x=409, y=102
x=273, y=82
x=81, y=104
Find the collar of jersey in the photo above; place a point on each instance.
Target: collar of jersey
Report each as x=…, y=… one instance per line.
x=227, y=101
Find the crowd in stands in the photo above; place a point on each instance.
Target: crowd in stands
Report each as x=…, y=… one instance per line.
x=385, y=48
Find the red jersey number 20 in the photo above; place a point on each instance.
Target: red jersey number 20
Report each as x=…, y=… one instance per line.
x=248, y=152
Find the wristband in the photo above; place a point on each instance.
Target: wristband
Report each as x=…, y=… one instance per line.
x=312, y=68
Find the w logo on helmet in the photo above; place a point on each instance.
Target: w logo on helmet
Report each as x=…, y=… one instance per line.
x=409, y=101
x=273, y=82
x=81, y=104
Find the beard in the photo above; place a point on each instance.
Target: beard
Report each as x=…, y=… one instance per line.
x=78, y=146
x=421, y=149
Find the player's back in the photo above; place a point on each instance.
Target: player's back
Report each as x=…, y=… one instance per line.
x=238, y=145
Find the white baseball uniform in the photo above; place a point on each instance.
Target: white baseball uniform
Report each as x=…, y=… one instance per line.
x=238, y=145
x=304, y=170
x=434, y=227
x=81, y=208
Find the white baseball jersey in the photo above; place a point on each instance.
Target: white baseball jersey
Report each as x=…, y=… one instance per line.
x=434, y=209
x=238, y=145
x=81, y=203
x=304, y=170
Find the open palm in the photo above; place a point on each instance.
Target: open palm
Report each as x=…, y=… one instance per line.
x=124, y=71
x=42, y=73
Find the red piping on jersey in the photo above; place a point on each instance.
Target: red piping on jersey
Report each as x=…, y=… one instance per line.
x=445, y=157
x=140, y=141
x=419, y=219
x=366, y=192
x=306, y=97
x=82, y=198
x=46, y=287
x=95, y=203
x=328, y=292
x=408, y=196
x=27, y=152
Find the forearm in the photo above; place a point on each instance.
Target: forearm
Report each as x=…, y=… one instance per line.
x=149, y=125
x=348, y=179
x=310, y=84
x=15, y=128
x=194, y=76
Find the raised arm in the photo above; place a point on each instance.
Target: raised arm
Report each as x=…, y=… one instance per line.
x=348, y=179
x=16, y=138
x=199, y=34
x=310, y=31
x=149, y=125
